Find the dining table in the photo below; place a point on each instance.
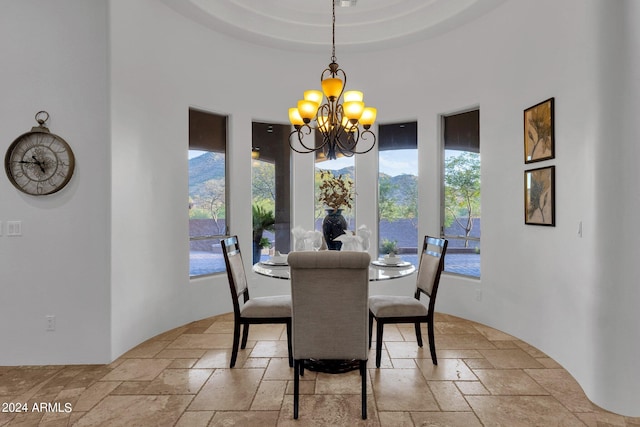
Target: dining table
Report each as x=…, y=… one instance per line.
x=378, y=270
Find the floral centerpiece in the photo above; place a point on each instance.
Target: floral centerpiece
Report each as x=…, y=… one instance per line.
x=336, y=193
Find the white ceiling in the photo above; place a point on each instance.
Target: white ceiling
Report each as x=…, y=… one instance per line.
x=306, y=24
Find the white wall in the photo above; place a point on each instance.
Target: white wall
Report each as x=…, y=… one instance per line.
x=571, y=297
x=54, y=58
x=538, y=283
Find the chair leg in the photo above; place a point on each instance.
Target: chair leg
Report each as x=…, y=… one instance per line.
x=236, y=341
x=296, y=387
x=363, y=374
x=370, y=327
x=432, y=343
x=418, y=334
x=245, y=335
x=379, y=331
x=289, y=348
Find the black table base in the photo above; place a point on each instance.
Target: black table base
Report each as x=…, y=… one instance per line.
x=331, y=366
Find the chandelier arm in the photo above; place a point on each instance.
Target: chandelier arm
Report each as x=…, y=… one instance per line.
x=301, y=132
x=363, y=136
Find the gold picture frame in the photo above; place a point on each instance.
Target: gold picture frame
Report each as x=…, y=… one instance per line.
x=539, y=138
x=539, y=196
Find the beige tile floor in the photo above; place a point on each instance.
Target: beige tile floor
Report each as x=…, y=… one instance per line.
x=182, y=378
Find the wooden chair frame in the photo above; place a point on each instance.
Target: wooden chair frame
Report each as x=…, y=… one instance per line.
x=230, y=248
x=416, y=320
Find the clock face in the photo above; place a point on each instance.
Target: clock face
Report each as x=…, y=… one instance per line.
x=39, y=162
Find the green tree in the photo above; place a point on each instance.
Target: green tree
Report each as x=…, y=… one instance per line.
x=263, y=183
x=214, y=200
x=388, y=208
x=462, y=190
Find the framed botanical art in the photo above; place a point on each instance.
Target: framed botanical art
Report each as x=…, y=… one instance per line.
x=539, y=196
x=539, y=132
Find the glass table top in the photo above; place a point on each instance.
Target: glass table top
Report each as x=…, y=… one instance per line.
x=377, y=270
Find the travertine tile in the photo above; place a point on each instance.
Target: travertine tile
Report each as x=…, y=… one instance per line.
x=522, y=411
x=126, y=411
x=218, y=359
x=182, y=377
x=138, y=370
x=228, y=390
x=266, y=332
x=221, y=327
x=147, y=349
x=202, y=341
x=510, y=358
x=402, y=390
x=346, y=383
x=445, y=419
x=180, y=354
x=245, y=419
x=448, y=396
x=509, y=382
x=396, y=419
x=178, y=381
x=563, y=387
x=471, y=387
x=493, y=334
x=19, y=381
x=269, y=395
x=278, y=369
x=462, y=342
x=446, y=370
x=270, y=349
x=454, y=328
x=195, y=419
x=406, y=350
x=94, y=394
x=323, y=410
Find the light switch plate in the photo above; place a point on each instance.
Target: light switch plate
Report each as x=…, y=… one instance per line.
x=14, y=228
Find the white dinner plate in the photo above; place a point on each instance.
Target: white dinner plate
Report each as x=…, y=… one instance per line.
x=269, y=262
x=395, y=264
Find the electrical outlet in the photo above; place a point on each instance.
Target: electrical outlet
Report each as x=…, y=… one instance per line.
x=478, y=294
x=51, y=322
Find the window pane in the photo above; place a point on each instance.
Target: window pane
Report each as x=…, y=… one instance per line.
x=207, y=192
x=398, y=190
x=271, y=184
x=461, y=208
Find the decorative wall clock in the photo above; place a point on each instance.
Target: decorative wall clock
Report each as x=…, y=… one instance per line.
x=39, y=162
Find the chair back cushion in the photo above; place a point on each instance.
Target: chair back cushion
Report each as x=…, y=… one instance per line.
x=329, y=293
x=235, y=267
x=427, y=272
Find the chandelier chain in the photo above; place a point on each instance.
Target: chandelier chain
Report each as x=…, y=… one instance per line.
x=333, y=32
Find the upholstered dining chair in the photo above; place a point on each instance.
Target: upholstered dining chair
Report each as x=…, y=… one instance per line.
x=406, y=309
x=329, y=297
x=246, y=310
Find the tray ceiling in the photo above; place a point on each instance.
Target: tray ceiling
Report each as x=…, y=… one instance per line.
x=306, y=24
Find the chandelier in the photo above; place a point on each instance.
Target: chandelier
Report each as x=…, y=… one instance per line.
x=342, y=120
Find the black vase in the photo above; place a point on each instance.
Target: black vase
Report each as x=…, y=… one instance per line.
x=333, y=226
